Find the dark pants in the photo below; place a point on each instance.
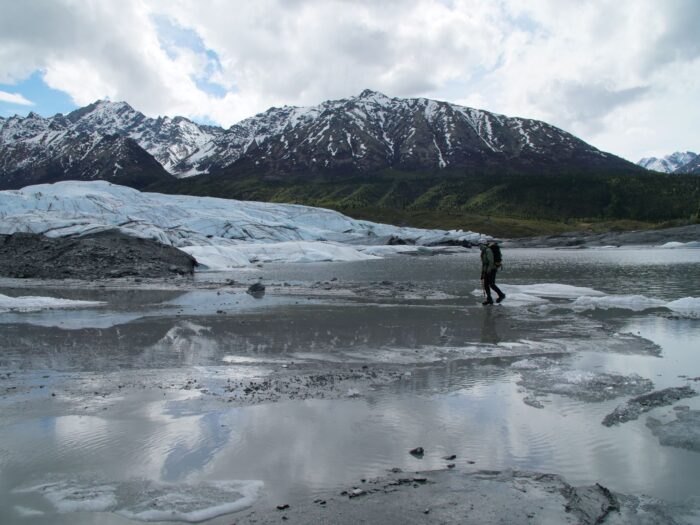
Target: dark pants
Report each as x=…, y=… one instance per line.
x=490, y=284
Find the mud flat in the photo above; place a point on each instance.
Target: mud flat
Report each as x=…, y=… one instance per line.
x=476, y=497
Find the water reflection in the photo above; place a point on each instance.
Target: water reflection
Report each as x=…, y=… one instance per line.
x=489, y=321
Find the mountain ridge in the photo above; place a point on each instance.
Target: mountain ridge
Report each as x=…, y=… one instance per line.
x=359, y=134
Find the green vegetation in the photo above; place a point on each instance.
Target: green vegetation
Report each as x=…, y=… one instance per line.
x=499, y=204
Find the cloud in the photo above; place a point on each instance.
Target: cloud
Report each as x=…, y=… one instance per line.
x=603, y=70
x=14, y=98
x=581, y=104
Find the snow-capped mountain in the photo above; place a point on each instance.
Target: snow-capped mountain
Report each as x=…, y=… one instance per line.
x=34, y=149
x=360, y=134
x=673, y=163
x=35, y=141
x=691, y=167
x=372, y=131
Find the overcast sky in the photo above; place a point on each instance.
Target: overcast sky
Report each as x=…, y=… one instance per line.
x=623, y=75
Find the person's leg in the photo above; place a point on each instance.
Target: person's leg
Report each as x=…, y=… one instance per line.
x=492, y=283
x=487, y=288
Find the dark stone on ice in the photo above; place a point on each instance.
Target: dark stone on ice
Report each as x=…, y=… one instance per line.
x=418, y=451
x=450, y=457
x=283, y=506
x=256, y=290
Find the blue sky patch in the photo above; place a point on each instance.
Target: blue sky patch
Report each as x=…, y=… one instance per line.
x=47, y=101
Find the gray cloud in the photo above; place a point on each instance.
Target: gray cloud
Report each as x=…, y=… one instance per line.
x=680, y=36
x=587, y=104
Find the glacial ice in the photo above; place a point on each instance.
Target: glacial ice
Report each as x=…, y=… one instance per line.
x=676, y=244
x=146, y=500
x=688, y=306
x=230, y=230
x=581, y=384
x=551, y=290
x=33, y=303
x=636, y=303
x=583, y=299
x=226, y=257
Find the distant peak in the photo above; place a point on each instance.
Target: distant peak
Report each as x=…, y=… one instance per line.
x=104, y=103
x=368, y=93
x=33, y=115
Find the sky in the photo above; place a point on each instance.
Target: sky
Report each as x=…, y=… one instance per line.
x=624, y=75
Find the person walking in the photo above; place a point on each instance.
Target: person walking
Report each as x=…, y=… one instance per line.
x=490, y=262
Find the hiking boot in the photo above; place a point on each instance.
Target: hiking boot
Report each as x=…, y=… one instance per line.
x=487, y=302
x=500, y=298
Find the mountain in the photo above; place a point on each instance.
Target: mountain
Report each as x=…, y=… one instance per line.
x=361, y=134
x=692, y=166
x=371, y=132
x=78, y=145
x=34, y=150
x=169, y=140
x=673, y=163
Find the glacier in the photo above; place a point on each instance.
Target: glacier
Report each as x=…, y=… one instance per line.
x=220, y=233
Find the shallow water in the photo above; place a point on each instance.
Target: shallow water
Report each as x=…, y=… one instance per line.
x=459, y=392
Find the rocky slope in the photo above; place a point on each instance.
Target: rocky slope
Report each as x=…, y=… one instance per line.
x=95, y=256
x=360, y=134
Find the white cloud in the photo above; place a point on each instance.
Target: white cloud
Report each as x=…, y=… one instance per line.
x=14, y=98
x=622, y=74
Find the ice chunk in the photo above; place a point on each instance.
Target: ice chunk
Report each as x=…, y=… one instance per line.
x=545, y=290
x=191, y=503
x=32, y=303
x=584, y=385
x=686, y=305
x=676, y=244
x=147, y=500
x=26, y=512
x=552, y=290
x=636, y=303
x=75, y=496
x=533, y=363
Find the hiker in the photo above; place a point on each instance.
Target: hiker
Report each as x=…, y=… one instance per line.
x=490, y=262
